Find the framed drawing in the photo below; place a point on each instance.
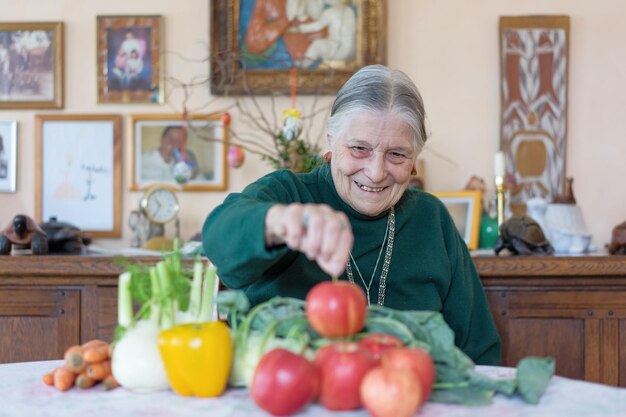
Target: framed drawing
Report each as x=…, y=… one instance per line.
x=255, y=44
x=465, y=208
x=8, y=155
x=534, y=65
x=78, y=178
x=189, y=154
x=130, y=59
x=31, y=58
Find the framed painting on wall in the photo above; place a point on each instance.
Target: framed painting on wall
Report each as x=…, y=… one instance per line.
x=314, y=46
x=31, y=63
x=465, y=209
x=534, y=62
x=78, y=179
x=130, y=59
x=189, y=154
x=8, y=155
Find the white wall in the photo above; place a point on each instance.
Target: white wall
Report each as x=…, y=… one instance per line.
x=450, y=49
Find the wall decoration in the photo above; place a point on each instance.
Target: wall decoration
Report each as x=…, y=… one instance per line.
x=8, y=155
x=189, y=153
x=534, y=72
x=78, y=179
x=465, y=208
x=130, y=59
x=31, y=63
x=255, y=43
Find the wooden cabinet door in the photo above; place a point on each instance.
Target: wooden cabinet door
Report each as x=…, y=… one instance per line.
x=582, y=330
x=38, y=323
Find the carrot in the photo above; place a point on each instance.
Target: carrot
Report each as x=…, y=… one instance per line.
x=63, y=378
x=48, y=378
x=110, y=382
x=99, y=370
x=84, y=382
x=74, y=358
x=97, y=354
x=93, y=343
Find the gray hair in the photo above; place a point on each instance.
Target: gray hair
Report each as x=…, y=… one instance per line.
x=379, y=89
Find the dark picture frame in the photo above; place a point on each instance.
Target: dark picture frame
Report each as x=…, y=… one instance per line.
x=130, y=59
x=31, y=57
x=247, y=62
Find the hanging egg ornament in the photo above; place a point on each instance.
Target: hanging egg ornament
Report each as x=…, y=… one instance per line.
x=236, y=156
x=226, y=119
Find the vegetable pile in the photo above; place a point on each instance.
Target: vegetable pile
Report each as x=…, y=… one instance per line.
x=85, y=366
x=386, y=360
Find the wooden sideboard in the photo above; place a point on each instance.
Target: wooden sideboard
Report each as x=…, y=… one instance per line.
x=572, y=308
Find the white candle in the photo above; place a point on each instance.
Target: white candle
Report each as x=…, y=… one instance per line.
x=499, y=168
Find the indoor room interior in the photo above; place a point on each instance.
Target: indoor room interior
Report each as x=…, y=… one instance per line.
x=523, y=106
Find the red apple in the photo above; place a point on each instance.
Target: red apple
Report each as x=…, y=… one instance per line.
x=417, y=361
x=377, y=343
x=342, y=366
x=284, y=382
x=391, y=392
x=336, y=309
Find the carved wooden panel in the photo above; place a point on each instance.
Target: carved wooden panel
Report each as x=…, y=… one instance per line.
x=38, y=323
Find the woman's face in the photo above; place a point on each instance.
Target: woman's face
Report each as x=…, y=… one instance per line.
x=372, y=161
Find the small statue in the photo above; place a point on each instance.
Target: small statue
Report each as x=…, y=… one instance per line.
x=64, y=237
x=23, y=233
x=618, y=240
x=522, y=235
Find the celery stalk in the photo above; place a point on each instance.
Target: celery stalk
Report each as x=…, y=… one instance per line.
x=195, y=297
x=166, y=298
x=208, y=292
x=124, y=301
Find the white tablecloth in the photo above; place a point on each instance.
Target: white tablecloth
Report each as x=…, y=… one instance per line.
x=23, y=394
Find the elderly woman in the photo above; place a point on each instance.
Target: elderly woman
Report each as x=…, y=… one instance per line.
x=356, y=218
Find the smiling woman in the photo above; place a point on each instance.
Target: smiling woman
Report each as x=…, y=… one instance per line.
x=287, y=232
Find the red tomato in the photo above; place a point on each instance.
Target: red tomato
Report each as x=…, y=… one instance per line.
x=391, y=392
x=336, y=309
x=416, y=360
x=284, y=382
x=342, y=366
x=226, y=119
x=378, y=343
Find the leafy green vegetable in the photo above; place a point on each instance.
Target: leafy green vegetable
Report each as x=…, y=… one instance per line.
x=533, y=377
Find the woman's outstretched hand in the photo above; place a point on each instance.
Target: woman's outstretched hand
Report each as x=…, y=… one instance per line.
x=321, y=233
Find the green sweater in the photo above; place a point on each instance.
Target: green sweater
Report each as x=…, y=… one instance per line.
x=430, y=269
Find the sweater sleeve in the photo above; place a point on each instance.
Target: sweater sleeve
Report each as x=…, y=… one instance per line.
x=466, y=309
x=233, y=235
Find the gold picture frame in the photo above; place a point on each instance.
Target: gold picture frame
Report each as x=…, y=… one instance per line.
x=130, y=59
x=465, y=208
x=78, y=171
x=31, y=55
x=204, y=151
x=297, y=59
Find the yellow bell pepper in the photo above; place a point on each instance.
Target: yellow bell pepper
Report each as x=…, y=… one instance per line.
x=197, y=357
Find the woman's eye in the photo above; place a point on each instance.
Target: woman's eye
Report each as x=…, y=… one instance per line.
x=359, y=151
x=397, y=156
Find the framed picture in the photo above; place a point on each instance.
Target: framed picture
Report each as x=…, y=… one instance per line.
x=314, y=46
x=534, y=62
x=78, y=171
x=465, y=208
x=187, y=153
x=130, y=59
x=8, y=155
x=31, y=59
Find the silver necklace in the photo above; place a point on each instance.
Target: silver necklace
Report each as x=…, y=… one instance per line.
x=389, y=236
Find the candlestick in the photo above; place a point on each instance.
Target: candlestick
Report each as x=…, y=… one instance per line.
x=499, y=171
